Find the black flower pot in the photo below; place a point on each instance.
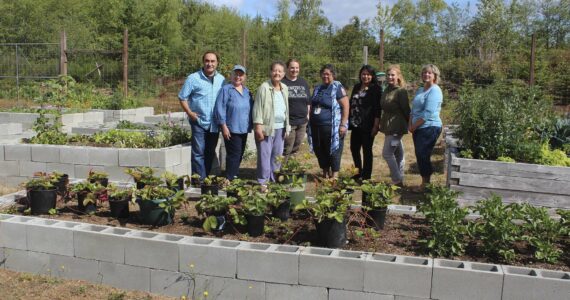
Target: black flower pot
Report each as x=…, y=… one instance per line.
x=41, y=201
x=140, y=185
x=119, y=208
x=152, y=214
x=255, y=225
x=103, y=181
x=376, y=218
x=89, y=208
x=331, y=233
x=283, y=211
x=209, y=189
x=220, y=219
x=61, y=184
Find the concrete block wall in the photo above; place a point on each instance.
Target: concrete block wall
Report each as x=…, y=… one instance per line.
x=26, y=120
x=133, y=114
x=18, y=162
x=177, y=265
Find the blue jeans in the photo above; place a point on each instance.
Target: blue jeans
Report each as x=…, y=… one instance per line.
x=424, y=141
x=204, y=145
x=235, y=147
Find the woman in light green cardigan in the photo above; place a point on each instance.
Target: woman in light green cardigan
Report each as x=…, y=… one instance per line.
x=270, y=122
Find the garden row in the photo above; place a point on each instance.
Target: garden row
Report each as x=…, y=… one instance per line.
x=178, y=265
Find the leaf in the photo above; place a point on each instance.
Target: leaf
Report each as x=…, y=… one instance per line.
x=210, y=223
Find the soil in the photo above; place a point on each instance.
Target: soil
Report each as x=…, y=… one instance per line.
x=400, y=235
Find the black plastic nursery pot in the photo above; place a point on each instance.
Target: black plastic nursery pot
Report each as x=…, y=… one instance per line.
x=104, y=181
x=376, y=218
x=283, y=211
x=179, y=186
x=220, y=219
x=209, y=189
x=140, y=185
x=89, y=208
x=119, y=208
x=331, y=233
x=255, y=225
x=61, y=184
x=152, y=214
x=41, y=201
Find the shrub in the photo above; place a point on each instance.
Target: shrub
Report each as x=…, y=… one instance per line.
x=500, y=120
x=542, y=233
x=446, y=220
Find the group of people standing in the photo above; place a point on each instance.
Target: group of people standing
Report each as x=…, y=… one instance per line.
x=283, y=111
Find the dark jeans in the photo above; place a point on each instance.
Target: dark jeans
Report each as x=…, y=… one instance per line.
x=424, y=141
x=204, y=145
x=364, y=140
x=235, y=148
x=321, y=136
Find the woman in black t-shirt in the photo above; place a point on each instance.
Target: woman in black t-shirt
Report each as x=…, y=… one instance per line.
x=364, y=120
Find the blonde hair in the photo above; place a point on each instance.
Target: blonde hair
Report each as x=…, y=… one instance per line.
x=435, y=70
x=400, y=78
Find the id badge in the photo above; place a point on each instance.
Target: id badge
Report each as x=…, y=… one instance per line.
x=317, y=110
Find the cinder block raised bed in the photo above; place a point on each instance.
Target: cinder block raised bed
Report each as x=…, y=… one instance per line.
x=176, y=265
x=546, y=186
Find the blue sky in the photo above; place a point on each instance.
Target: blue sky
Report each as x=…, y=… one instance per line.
x=338, y=12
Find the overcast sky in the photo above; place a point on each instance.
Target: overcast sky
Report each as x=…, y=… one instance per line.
x=338, y=12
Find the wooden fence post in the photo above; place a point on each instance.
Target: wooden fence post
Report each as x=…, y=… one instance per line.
x=126, y=63
x=63, y=54
x=365, y=55
x=532, y=59
x=381, y=51
x=244, y=48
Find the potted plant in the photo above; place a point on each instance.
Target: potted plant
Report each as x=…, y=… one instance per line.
x=174, y=181
x=210, y=184
x=158, y=204
x=346, y=179
x=60, y=181
x=88, y=194
x=119, y=201
x=41, y=194
x=234, y=186
x=375, y=200
x=214, y=208
x=279, y=199
x=293, y=171
x=143, y=176
x=329, y=212
x=98, y=177
x=251, y=211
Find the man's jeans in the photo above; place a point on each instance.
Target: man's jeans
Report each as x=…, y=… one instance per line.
x=204, y=145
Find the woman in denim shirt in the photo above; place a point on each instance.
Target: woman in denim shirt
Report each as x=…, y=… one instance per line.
x=232, y=113
x=425, y=124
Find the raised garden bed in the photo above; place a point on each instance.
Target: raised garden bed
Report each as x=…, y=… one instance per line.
x=546, y=186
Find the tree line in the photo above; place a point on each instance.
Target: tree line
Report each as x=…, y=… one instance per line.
x=481, y=43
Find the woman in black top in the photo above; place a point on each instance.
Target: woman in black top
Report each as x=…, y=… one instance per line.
x=364, y=120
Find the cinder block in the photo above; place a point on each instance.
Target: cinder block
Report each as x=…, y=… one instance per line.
x=125, y=277
x=354, y=295
x=230, y=289
x=82, y=171
x=74, y=155
x=332, y=268
x=396, y=297
x=71, y=119
x=174, y=284
x=10, y=168
x=28, y=168
x=166, y=157
x=17, y=152
x=94, y=117
x=100, y=242
x=465, y=280
x=398, y=275
x=23, y=117
x=134, y=157
x=152, y=250
x=525, y=283
x=13, y=181
x=182, y=169
x=117, y=174
x=4, y=117
x=103, y=156
x=68, y=169
x=185, y=154
x=276, y=291
x=208, y=256
x=11, y=128
x=1, y=153
x=268, y=263
x=26, y=261
x=74, y=268
x=45, y=153
x=51, y=236
x=13, y=232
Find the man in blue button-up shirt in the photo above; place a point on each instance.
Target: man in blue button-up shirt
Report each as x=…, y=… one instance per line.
x=197, y=98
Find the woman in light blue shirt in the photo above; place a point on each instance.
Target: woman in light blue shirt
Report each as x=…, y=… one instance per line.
x=425, y=124
x=232, y=113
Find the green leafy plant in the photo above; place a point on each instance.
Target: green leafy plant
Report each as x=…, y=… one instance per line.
x=97, y=175
x=171, y=179
x=446, y=221
x=345, y=178
x=564, y=220
x=94, y=192
x=212, y=204
x=496, y=228
x=211, y=180
x=542, y=232
x=295, y=165
x=277, y=194
x=235, y=186
x=379, y=195
x=144, y=175
x=42, y=182
x=253, y=202
x=125, y=124
x=118, y=193
x=327, y=205
x=173, y=200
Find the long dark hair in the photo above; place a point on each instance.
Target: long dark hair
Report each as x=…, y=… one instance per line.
x=370, y=70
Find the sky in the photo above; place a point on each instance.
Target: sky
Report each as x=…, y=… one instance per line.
x=338, y=12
